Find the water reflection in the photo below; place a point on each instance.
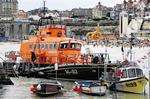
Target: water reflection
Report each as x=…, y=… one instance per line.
x=20, y=90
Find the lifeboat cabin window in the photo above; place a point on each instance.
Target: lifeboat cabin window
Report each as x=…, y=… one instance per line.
x=53, y=46
x=75, y=46
x=46, y=46
x=42, y=46
x=64, y=45
x=38, y=46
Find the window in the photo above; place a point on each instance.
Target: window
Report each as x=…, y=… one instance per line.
x=42, y=46
x=72, y=45
x=46, y=46
x=38, y=46
x=139, y=72
x=124, y=74
x=64, y=45
x=75, y=45
x=131, y=73
x=53, y=46
x=78, y=46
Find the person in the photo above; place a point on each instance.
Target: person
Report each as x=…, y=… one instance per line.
x=95, y=60
x=33, y=56
x=102, y=58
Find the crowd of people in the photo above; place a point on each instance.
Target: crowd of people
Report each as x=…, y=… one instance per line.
x=117, y=43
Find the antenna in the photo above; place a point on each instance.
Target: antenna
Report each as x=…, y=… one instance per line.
x=44, y=10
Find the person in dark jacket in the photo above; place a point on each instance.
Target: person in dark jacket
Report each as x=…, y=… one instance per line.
x=33, y=56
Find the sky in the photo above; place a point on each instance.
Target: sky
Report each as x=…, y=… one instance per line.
x=64, y=4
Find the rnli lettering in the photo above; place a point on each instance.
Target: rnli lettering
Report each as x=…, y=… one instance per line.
x=132, y=84
x=72, y=71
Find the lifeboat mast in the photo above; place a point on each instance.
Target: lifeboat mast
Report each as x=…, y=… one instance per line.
x=44, y=10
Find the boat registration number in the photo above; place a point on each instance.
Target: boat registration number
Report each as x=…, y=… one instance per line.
x=72, y=71
x=132, y=84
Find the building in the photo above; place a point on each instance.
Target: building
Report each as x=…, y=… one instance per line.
x=143, y=8
x=14, y=23
x=66, y=13
x=21, y=14
x=82, y=12
x=39, y=11
x=116, y=11
x=137, y=27
x=16, y=29
x=99, y=11
x=8, y=8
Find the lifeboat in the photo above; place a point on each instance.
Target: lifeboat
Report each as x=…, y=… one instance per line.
x=51, y=46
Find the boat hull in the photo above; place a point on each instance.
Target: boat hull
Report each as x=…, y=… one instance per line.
x=47, y=89
x=95, y=91
x=136, y=85
x=90, y=87
x=71, y=72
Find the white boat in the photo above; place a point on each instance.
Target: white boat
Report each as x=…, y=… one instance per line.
x=91, y=87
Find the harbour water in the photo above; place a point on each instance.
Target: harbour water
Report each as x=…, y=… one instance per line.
x=21, y=87
x=21, y=90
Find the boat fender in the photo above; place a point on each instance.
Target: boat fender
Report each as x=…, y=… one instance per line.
x=38, y=87
x=33, y=89
x=77, y=89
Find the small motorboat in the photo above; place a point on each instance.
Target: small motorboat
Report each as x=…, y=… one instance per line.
x=46, y=89
x=129, y=79
x=91, y=87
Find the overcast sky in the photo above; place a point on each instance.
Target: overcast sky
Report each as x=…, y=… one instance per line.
x=64, y=4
